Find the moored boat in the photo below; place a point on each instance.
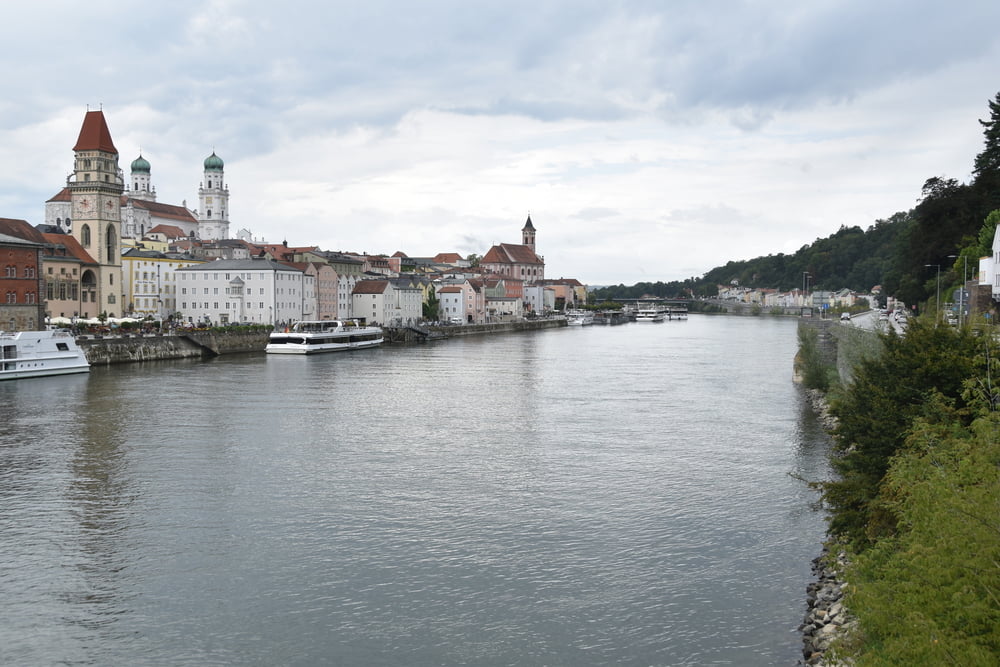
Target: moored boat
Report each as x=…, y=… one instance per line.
x=315, y=337
x=649, y=314
x=26, y=354
x=579, y=317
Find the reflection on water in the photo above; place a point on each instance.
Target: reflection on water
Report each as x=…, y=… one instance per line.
x=621, y=495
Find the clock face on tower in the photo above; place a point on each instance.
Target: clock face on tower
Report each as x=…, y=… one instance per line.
x=84, y=207
x=110, y=210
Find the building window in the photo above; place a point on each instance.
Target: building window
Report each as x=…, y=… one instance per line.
x=85, y=236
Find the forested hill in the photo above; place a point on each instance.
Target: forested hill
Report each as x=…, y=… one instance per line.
x=952, y=220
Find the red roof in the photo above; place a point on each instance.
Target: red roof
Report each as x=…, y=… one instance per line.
x=20, y=229
x=62, y=195
x=509, y=253
x=447, y=258
x=371, y=287
x=170, y=231
x=73, y=246
x=95, y=135
x=161, y=210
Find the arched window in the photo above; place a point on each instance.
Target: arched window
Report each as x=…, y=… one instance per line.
x=111, y=248
x=85, y=236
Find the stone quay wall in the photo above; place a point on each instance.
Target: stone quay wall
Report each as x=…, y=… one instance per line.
x=500, y=327
x=101, y=351
x=131, y=348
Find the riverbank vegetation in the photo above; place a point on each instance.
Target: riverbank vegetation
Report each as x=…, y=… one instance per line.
x=917, y=498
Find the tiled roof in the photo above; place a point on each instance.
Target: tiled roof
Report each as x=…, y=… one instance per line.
x=73, y=247
x=170, y=231
x=239, y=265
x=20, y=229
x=509, y=253
x=371, y=287
x=447, y=258
x=62, y=195
x=161, y=210
x=95, y=135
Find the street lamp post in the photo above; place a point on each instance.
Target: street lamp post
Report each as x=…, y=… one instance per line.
x=937, y=297
x=961, y=292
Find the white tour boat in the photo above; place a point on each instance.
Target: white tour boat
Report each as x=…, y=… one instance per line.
x=314, y=337
x=579, y=317
x=25, y=354
x=650, y=314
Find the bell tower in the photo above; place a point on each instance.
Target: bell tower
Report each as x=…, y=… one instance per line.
x=213, y=201
x=96, y=187
x=528, y=234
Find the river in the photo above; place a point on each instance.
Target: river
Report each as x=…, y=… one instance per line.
x=625, y=495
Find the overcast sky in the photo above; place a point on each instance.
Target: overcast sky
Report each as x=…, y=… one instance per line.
x=649, y=140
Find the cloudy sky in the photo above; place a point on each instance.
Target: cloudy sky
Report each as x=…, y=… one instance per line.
x=648, y=140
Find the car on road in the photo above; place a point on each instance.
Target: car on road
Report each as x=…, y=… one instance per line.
x=845, y=317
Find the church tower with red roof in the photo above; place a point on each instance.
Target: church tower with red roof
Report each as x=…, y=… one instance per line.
x=95, y=190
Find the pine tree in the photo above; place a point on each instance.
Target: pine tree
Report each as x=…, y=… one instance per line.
x=988, y=161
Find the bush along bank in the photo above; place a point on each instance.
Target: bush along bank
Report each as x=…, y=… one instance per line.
x=913, y=507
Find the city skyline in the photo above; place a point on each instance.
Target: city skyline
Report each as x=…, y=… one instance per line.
x=647, y=142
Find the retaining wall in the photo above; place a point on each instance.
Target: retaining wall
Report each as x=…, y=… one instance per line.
x=127, y=349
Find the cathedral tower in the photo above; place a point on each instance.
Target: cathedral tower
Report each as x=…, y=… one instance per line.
x=95, y=188
x=213, y=201
x=142, y=187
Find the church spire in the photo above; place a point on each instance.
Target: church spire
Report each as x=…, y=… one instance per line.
x=528, y=234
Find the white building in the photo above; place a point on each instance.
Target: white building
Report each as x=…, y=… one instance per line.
x=989, y=267
x=382, y=302
x=150, y=282
x=540, y=298
x=451, y=302
x=245, y=290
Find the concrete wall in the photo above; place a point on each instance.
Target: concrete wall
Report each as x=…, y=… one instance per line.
x=843, y=347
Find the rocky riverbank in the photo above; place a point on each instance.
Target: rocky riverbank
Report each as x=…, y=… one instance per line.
x=826, y=618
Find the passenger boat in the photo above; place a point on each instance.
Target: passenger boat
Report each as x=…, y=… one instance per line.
x=314, y=337
x=26, y=354
x=649, y=314
x=579, y=317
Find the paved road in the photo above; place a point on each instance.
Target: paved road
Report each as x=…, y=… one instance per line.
x=872, y=320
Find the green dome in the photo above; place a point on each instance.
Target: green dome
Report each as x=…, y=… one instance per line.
x=140, y=164
x=213, y=163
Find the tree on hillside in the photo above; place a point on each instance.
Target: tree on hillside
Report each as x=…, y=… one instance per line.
x=988, y=161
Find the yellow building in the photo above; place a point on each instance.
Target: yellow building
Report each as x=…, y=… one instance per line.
x=150, y=283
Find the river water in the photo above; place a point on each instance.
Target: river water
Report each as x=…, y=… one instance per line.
x=625, y=495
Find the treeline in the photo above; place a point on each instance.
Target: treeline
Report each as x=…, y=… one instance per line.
x=947, y=228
